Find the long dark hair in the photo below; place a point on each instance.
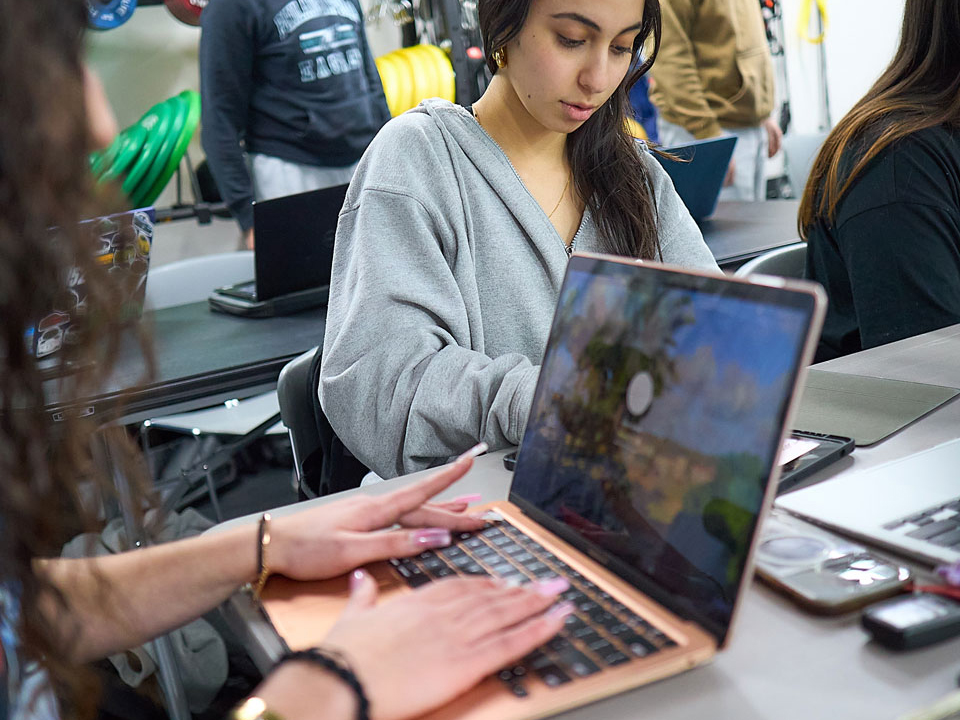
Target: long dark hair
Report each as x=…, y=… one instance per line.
x=45, y=189
x=919, y=90
x=607, y=170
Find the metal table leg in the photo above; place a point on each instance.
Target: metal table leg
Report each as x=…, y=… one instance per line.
x=167, y=670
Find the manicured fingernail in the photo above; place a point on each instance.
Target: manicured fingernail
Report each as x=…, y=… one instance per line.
x=552, y=587
x=356, y=578
x=561, y=610
x=478, y=449
x=950, y=573
x=431, y=537
x=475, y=497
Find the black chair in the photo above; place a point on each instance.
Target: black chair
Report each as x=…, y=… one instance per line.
x=322, y=462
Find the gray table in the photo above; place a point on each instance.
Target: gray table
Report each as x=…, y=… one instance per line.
x=739, y=231
x=201, y=358
x=781, y=663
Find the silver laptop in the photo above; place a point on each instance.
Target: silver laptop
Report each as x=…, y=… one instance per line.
x=911, y=505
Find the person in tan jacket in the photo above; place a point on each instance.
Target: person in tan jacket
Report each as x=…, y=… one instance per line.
x=713, y=77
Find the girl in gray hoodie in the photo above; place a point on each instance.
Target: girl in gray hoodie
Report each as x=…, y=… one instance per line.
x=455, y=233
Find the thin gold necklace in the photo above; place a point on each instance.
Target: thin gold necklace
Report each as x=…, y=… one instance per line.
x=562, y=196
x=566, y=186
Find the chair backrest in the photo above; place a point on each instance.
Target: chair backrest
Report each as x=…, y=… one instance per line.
x=323, y=464
x=800, y=151
x=192, y=279
x=788, y=261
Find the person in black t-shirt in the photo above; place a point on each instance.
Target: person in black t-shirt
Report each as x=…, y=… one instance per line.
x=881, y=210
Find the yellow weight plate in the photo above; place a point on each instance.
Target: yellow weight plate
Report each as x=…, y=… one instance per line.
x=405, y=78
x=388, y=78
x=422, y=86
x=448, y=79
x=429, y=78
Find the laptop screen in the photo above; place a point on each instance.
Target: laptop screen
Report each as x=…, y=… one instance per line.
x=699, y=171
x=295, y=235
x=656, y=422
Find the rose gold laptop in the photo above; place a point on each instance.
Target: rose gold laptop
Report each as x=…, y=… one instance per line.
x=647, y=463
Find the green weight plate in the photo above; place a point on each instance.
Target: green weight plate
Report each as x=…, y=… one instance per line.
x=156, y=122
x=133, y=139
x=178, y=116
x=192, y=98
x=103, y=159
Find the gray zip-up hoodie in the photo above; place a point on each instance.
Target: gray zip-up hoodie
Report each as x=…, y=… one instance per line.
x=446, y=272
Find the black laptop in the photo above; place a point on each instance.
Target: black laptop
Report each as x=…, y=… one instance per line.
x=292, y=258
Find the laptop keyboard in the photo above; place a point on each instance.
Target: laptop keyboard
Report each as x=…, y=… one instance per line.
x=601, y=633
x=939, y=525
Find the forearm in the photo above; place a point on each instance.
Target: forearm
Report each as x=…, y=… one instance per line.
x=221, y=143
x=121, y=601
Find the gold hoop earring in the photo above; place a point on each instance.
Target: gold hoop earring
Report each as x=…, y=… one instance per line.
x=500, y=57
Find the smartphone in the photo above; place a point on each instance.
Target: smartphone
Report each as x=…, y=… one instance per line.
x=820, y=571
x=913, y=621
x=804, y=453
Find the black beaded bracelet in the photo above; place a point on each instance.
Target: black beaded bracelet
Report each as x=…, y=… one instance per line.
x=334, y=663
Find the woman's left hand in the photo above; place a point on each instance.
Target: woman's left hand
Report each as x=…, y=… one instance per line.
x=335, y=538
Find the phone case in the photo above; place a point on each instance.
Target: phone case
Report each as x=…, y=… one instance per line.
x=823, y=572
x=832, y=448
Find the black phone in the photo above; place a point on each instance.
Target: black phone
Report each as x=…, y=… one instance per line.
x=913, y=621
x=811, y=452
x=510, y=461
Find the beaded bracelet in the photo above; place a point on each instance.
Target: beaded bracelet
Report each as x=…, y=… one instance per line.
x=334, y=662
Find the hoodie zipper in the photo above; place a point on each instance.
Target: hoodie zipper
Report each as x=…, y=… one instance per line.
x=568, y=249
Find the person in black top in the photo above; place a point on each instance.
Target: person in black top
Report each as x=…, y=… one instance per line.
x=881, y=210
x=291, y=83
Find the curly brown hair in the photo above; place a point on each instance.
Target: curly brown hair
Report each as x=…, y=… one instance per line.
x=45, y=189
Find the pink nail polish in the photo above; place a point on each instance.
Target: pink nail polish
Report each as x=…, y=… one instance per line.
x=552, y=587
x=431, y=537
x=356, y=578
x=475, y=497
x=561, y=611
x=478, y=449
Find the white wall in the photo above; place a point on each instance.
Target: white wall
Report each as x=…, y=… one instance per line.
x=861, y=39
x=154, y=56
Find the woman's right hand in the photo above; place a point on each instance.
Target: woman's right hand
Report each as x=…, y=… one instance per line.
x=416, y=652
